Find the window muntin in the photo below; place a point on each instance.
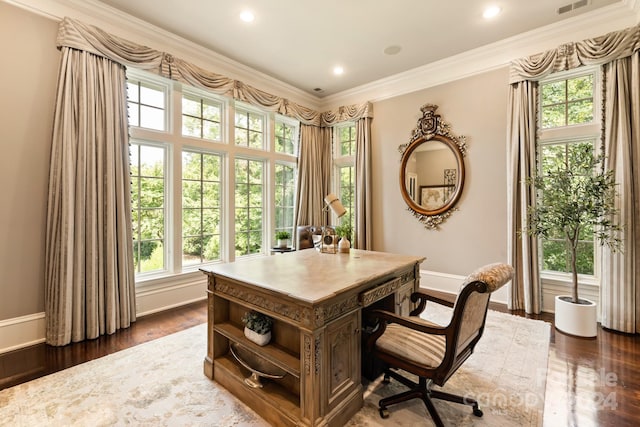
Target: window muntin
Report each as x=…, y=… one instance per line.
x=249, y=129
x=201, y=117
x=284, y=197
x=146, y=104
x=249, y=209
x=201, y=207
x=148, y=206
x=285, y=134
x=567, y=102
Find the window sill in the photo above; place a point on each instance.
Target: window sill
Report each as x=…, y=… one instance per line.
x=564, y=279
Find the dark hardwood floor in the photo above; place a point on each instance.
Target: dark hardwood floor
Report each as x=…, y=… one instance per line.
x=590, y=382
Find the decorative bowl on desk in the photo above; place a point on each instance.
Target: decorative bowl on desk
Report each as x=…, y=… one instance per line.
x=258, y=366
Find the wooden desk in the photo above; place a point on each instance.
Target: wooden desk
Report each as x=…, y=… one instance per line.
x=316, y=301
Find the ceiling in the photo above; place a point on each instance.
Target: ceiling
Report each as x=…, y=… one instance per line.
x=300, y=41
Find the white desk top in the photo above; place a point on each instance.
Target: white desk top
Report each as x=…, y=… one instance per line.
x=311, y=276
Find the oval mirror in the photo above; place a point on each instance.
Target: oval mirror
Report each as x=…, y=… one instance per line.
x=432, y=169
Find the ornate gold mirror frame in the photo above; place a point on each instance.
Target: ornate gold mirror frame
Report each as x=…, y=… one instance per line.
x=432, y=169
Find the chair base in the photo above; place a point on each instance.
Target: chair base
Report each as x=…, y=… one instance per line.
x=422, y=390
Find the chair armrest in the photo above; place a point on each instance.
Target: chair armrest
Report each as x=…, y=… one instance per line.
x=422, y=298
x=384, y=317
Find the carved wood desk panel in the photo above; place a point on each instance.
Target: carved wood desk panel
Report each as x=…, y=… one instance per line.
x=316, y=301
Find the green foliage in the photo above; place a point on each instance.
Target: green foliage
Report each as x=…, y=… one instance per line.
x=345, y=229
x=257, y=322
x=283, y=235
x=574, y=197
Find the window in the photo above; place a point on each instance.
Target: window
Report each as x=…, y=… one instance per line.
x=146, y=105
x=567, y=102
x=201, y=207
x=568, y=130
x=201, y=118
x=347, y=140
x=285, y=197
x=286, y=136
x=249, y=206
x=199, y=194
x=148, y=206
x=249, y=129
x=344, y=159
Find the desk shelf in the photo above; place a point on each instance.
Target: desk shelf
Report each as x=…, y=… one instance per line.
x=272, y=352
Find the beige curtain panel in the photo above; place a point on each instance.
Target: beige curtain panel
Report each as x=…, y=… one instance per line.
x=618, y=53
x=89, y=273
x=75, y=34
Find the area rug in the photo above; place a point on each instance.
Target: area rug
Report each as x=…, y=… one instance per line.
x=161, y=383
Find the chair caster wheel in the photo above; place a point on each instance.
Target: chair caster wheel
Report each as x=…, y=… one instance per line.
x=477, y=412
x=384, y=413
x=386, y=379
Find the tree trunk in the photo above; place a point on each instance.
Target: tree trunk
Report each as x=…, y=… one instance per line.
x=574, y=274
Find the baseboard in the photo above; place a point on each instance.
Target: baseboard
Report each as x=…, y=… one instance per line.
x=450, y=283
x=20, y=332
x=25, y=331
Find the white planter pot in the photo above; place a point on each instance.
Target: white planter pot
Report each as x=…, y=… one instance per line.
x=580, y=320
x=260, y=339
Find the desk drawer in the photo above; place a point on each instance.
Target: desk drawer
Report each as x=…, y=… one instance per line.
x=381, y=291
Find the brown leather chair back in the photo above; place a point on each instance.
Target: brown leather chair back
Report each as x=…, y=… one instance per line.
x=305, y=236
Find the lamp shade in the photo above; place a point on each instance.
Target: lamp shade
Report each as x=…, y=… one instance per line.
x=334, y=203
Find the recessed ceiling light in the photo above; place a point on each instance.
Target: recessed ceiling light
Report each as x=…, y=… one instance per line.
x=491, y=12
x=247, y=16
x=337, y=70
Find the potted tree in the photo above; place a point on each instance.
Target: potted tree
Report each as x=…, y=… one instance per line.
x=283, y=237
x=577, y=199
x=257, y=327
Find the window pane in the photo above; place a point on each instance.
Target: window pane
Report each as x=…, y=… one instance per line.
x=201, y=199
x=580, y=112
x=553, y=116
x=211, y=131
x=585, y=257
x=191, y=126
x=554, y=93
x=555, y=256
x=580, y=88
x=151, y=96
x=249, y=215
x=154, y=261
x=134, y=116
x=151, y=118
x=191, y=106
x=249, y=129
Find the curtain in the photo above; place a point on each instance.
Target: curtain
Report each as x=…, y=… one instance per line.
x=620, y=276
x=363, y=225
x=618, y=53
x=314, y=175
x=73, y=33
x=521, y=163
x=89, y=275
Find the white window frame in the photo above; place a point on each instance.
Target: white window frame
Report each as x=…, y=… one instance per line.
x=555, y=281
x=340, y=161
x=176, y=274
x=221, y=102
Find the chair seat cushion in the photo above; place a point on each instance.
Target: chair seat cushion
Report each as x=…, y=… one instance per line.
x=413, y=346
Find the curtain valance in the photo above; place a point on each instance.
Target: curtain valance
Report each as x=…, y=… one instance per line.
x=77, y=35
x=595, y=51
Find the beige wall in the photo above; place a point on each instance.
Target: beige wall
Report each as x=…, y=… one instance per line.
x=27, y=94
x=476, y=234
x=475, y=107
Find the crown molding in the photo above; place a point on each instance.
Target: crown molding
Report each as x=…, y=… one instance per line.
x=493, y=56
x=490, y=57
x=130, y=28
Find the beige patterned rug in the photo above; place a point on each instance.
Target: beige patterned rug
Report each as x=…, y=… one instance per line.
x=160, y=383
